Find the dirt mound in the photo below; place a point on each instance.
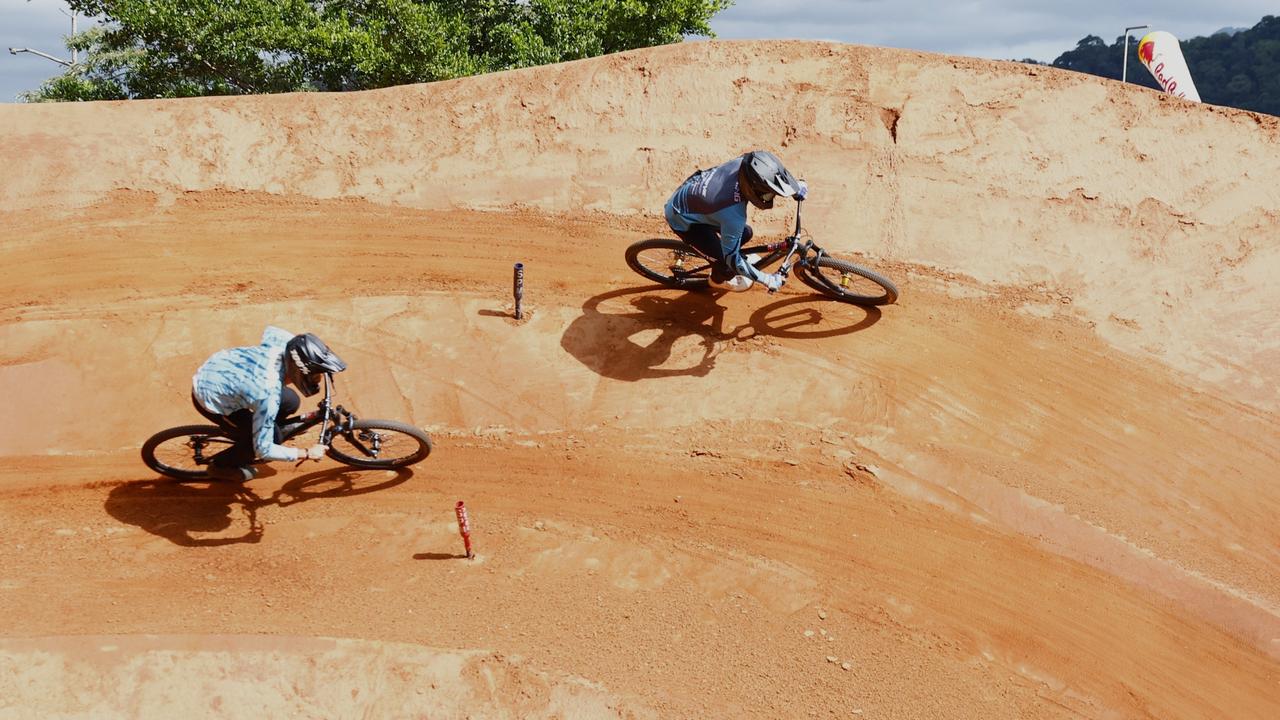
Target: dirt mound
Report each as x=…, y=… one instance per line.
x=136, y=676
x=1041, y=485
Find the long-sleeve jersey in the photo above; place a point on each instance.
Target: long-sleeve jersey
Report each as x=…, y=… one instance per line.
x=248, y=378
x=711, y=197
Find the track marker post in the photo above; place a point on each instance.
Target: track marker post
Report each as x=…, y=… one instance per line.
x=517, y=287
x=464, y=528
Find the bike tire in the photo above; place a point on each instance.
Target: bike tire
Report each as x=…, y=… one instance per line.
x=179, y=460
x=364, y=445
x=846, y=281
x=662, y=260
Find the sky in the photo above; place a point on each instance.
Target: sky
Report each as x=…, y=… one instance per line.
x=997, y=29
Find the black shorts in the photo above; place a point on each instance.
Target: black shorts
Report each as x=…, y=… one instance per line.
x=706, y=239
x=239, y=425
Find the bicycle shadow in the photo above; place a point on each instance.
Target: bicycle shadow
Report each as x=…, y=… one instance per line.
x=198, y=514
x=632, y=334
x=612, y=335
x=811, y=317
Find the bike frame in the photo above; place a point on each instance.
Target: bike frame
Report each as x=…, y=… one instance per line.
x=333, y=419
x=794, y=245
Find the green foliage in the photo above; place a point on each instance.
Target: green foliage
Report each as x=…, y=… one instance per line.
x=1235, y=70
x=181, y=48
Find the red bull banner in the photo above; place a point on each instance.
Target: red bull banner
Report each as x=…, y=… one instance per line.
x=1162, y=55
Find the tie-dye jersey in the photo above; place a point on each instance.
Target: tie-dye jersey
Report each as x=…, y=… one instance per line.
x=248, y=378
x=711, y=197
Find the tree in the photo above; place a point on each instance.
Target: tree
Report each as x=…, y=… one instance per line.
x=180, y=48
x=1091, y=55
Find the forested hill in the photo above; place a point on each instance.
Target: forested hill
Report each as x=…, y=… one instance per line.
x=1240, y=69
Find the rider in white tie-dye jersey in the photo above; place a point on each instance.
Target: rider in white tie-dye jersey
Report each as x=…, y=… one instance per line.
x=242, y=389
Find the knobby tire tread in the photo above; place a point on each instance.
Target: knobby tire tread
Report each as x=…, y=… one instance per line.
x=149, y=449
x=424, y=445
x=633, y=261
x=819, y=283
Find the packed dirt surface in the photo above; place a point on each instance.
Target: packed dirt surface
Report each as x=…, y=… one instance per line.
x=1041, y=485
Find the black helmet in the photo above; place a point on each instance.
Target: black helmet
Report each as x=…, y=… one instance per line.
x=311, y=358
x=762, y=176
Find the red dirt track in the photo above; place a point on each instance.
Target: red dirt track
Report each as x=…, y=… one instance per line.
x=1042, y=485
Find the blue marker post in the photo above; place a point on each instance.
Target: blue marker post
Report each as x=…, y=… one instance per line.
x=518, y=288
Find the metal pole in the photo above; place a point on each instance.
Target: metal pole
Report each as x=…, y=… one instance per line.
x=1124, y=72
x=46, y=56
x=518, y=287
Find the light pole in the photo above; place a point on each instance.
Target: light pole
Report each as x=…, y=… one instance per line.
x=71, y=15
x=1124, y=72
x=47, y=56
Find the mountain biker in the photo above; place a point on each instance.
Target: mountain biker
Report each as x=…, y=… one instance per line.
x=709, y=212
x=243, y=390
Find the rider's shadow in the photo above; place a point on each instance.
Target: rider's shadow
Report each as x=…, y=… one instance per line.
x=631, y=334
x=634, y=333
x=205, y=514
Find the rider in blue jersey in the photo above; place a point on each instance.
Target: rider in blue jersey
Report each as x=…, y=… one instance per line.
x=242, y=389
x=709, y=211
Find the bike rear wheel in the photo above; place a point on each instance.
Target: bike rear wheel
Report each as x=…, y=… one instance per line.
x=380, y=444
x=183, y=452
x=670, y=262
x=846, y=281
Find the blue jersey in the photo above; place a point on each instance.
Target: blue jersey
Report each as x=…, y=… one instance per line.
x=711, y=197
x=248, y=378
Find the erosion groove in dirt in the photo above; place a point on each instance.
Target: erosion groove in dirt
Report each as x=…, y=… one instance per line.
x=1039, y=486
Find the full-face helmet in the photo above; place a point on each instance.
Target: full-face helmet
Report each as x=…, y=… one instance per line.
x=762, y=177
x=310, y=360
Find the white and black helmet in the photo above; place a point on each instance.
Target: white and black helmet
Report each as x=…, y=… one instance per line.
x=311, y=358
x=763, y=177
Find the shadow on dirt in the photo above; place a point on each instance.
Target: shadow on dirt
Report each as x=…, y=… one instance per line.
x=654, y=332
x=198, y=514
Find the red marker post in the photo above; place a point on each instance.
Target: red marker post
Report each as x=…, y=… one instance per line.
x=464, y=528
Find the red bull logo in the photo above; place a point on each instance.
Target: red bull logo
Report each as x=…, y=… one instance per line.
x=1146, y=48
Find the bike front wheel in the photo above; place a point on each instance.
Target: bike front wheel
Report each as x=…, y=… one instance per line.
x=846, y=281
x=380, y=444
x=670, y=262
x=183, y=452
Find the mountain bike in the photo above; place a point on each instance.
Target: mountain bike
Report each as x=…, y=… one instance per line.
x=678, y=264
x=184, y=452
